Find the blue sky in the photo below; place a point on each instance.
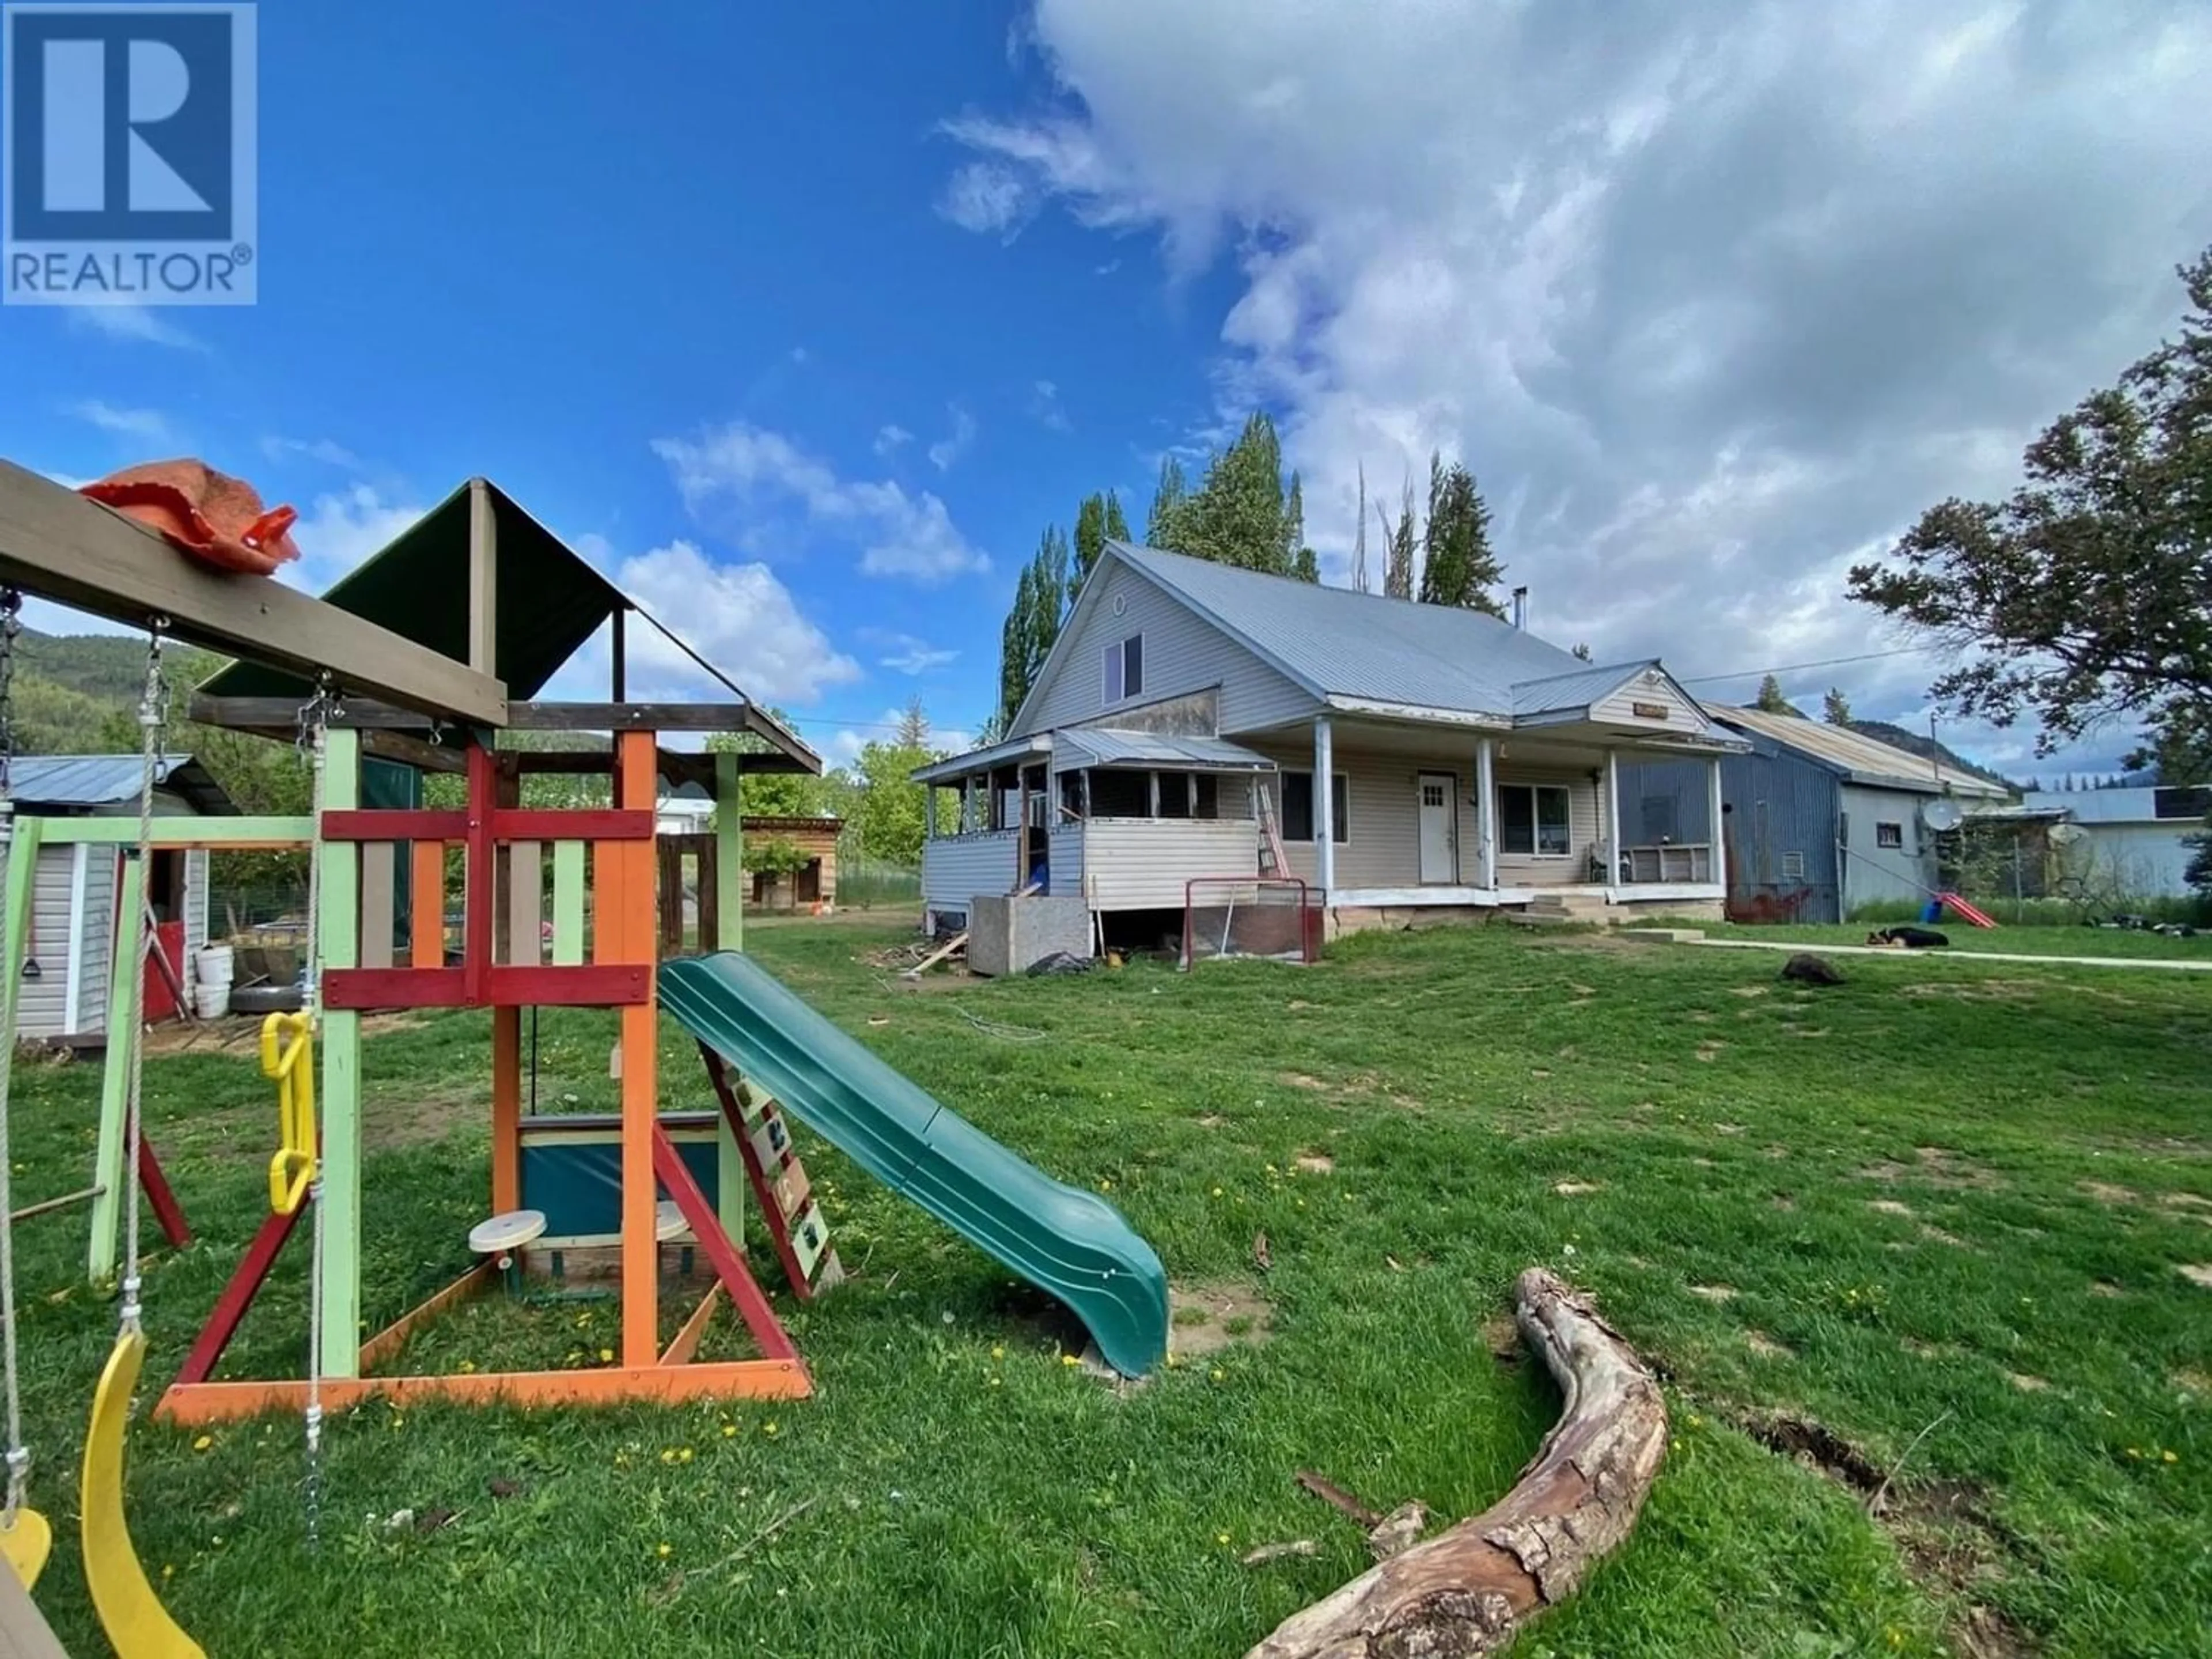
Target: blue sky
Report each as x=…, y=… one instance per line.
x=804, y=321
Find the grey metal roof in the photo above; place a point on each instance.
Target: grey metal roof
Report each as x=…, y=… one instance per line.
x=953, y=768
x=1342, y=644
x=89, y=780
x=1092, y=746
x=1578, y=690
x=1858, y=756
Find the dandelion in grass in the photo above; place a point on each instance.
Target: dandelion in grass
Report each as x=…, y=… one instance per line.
x=468, y=1366
x=665, y=1551
x=204, y=1443
x=998, y=1353
x=606, y=1356
x=2169, y=1458
x=1221, y=1539
x=729, y=1431
x=168, y=1570
x=1217, y=1192
x=1105, y=1186
x=1220, y=1376
x=995, y=1382
x=668, y=1454
x=768, y=1429
x=683, y=1455
x=1071, y=1359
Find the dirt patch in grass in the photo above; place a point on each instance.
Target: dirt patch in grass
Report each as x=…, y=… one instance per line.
x=1750, y=990
x=1765, y=1347
x=1936, y=1166
x=2105, y=1193
x=1819, y=1448
x=1503, y=1338
x=1573, y=1188
x=2026, y=1383
x=1315, y=1163
x=1300, y=1081
x=1986, y=990
x=1710, y=1050
x=1208, y=1317
x=1712, y=1292
x=2196, y=1273
x=416, y=1119
x=2193, y=1381
x=1935, y=1235
x=1889, y=1206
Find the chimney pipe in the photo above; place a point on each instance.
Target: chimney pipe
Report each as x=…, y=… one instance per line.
x=1521, y=607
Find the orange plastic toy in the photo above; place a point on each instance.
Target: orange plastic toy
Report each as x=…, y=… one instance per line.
x=217, y=519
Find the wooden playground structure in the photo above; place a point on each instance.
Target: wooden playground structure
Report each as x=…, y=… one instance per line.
x=424, y=655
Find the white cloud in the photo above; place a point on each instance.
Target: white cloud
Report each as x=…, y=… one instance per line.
x=143, y=425
x=738, y=616
x=132, y=323
x=342, y=529
x=891, y=439
x=956, y=443
x=322, y=450
x=906, y=654
x=987, y=197
x=1045, y=407
x=754, y=469
x=1710, y=300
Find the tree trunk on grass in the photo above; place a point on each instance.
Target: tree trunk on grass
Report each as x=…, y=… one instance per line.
x=1469, y=1590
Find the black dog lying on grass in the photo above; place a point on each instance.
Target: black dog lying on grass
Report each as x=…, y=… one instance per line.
x=1908, y=938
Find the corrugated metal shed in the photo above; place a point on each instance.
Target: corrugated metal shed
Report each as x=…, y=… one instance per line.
x=84, y=781
x=2184, y=807
x=1341, y=643
x=1859, y=758
x=1090, y=745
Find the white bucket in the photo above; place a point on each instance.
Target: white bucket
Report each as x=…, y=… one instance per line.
x=213, y=965
x=212, y=1001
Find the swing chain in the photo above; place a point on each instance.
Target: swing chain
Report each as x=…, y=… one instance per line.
x=11, y=628
x=313, y=741
x=152, y=722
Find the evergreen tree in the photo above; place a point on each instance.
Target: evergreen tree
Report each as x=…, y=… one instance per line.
x=1117, y=523
x=1163, y=527
x=1032, y=625
x=1770, y=698
x=1089, y=541
x=1298, y=558
x=1459, y=567
x=1398, y=568
x=1236, y=516
x=1836, y=707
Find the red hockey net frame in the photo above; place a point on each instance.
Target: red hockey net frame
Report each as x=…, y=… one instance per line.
x=1277, y=917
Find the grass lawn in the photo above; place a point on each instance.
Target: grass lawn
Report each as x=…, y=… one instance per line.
x=2037, y=941
x=1945, y=1211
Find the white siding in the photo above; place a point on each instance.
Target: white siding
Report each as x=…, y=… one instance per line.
x=195, y=903
x=1384, y=845
x=1142, y=864
x=1066, y=857
x=954, y=871
x=1183, y=654
x=1654, y=690
x=96, y=934
x=1874, y=874
x=2142, y=860
x=40, y=1003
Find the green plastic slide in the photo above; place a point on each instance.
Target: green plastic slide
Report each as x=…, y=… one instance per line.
x=1068, y=1243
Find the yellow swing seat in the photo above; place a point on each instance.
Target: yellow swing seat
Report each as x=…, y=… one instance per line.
x=26, y=1545
x=138, y=1626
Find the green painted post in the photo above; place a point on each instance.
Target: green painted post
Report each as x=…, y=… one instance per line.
x=729, y=855
x=568, y=904
x=337, y=932
x=108, y=1173
x=22, y=846
x=729, y=935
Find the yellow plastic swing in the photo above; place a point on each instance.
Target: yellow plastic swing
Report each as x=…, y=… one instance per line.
x=137, y=1625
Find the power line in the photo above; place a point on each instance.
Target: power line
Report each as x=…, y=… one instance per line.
x=1801, y=667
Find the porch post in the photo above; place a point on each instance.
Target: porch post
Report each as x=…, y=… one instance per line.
x=929, y=811
x=1486, y=811
x=1716, y=860
x=1613, y=841
x=1324, y=803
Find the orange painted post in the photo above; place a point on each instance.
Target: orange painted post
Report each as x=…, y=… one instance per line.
x=506, y=1109
x=426, y=893
x=631, y=921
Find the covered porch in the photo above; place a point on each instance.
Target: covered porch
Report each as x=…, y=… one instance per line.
x=1426, y=814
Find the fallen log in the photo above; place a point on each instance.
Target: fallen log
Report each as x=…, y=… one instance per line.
x=1468, y=1590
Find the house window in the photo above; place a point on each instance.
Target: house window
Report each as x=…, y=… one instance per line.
x=1889, y=834
x=1125, y=668
x=1205, y=795
x=1121, y=794
x=1534, y=820
x=1793, y=867
x=1298, y=807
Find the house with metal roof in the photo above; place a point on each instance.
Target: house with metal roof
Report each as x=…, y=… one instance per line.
x=1819, y=820
x=2136, y=841
x=63, y=993
x=1197, y=721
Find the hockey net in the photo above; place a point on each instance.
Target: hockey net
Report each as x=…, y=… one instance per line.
x=1273, y=917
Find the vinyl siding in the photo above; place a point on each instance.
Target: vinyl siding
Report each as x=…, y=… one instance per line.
x=2143, y=860
x=97, y=932
x=196, y=902
x=954, y=871
x=1384, y=844
x=1066, y=855
x=1142, y=864
x=1183, y=653
x=41, y=1003
x=1653, y=690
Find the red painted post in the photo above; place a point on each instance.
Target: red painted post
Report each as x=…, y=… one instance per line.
x=729, y=1267
x=238, y=1296
x=167, y=1210
x=476, y=947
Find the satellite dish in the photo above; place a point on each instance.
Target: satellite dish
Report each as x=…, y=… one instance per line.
x=2066, y=835
x=1942, y=813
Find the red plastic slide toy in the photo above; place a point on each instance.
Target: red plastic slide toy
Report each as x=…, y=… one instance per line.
x=1965, y=911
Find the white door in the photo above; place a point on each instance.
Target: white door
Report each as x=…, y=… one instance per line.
x=1437, y=841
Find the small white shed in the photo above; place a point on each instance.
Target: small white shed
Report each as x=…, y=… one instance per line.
x=64, y=997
